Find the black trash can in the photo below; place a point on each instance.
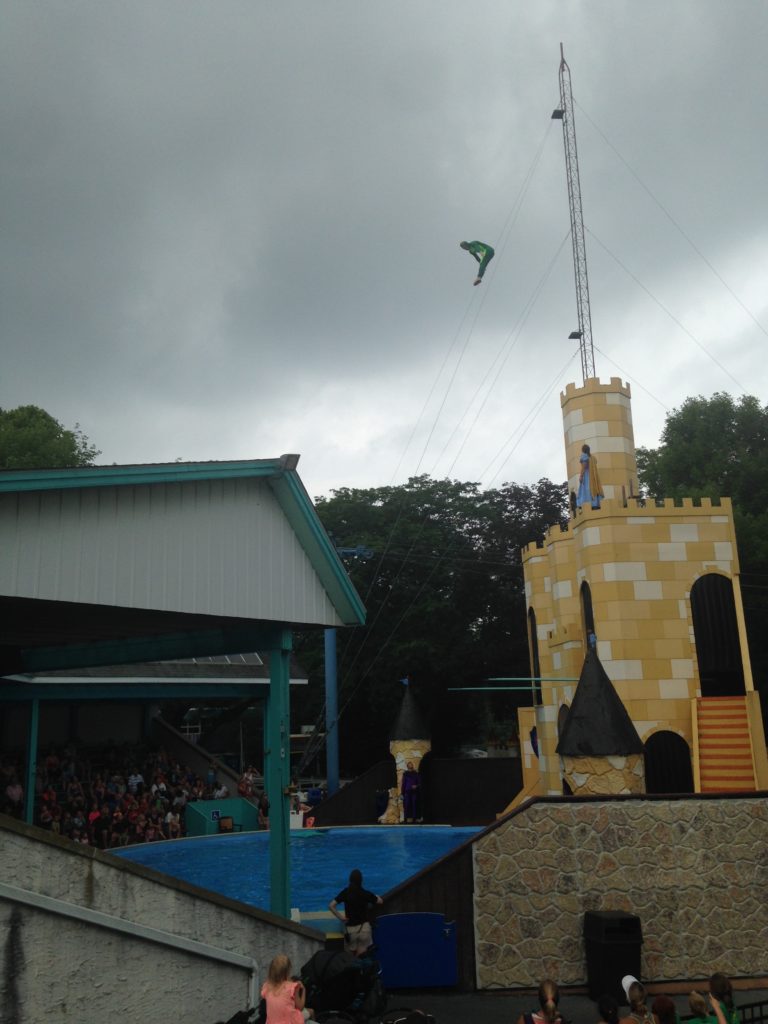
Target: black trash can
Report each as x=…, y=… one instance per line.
x=613, y=941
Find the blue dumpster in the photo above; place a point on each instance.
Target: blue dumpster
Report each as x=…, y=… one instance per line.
x=416, y=950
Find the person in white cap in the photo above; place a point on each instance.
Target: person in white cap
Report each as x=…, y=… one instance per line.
x=638, y=1011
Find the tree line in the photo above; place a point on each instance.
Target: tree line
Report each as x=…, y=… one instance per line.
x=443, y=585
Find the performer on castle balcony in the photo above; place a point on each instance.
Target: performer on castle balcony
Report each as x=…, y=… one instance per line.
x=590, y=489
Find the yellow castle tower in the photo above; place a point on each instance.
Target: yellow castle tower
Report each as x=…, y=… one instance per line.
x=654, y=587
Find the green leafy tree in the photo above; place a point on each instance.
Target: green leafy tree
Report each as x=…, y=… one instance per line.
x=718, y=447
x=445, y=600
x=712, y=447
x=30, y=438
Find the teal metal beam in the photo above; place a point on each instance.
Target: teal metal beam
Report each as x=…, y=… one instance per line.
x=331, y=714
x=300, y=513
x=277, y=775
x=530, y=688
x=133, y=476
x=64, y=692
x=532, y=679
x=491, y=689
x=29, y=782
x=11, y=692
x=256, y=637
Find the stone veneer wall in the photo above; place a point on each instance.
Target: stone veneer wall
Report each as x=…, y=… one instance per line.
x=605, y=776
x=694, y=870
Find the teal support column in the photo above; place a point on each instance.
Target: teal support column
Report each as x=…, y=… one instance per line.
x=331, y=714
x=277, y=771
x=29, y=782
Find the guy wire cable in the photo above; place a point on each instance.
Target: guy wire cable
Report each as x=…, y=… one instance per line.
x=530, y=416
x=632, y=380
x=538, y=406
x=669, y=216
x=514, y=334
x=382, y=648
x=669, y=313
x=504, y=235
x=501, y=242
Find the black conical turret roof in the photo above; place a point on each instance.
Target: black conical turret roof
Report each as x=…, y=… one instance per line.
x=409, y=725
x=598, y=724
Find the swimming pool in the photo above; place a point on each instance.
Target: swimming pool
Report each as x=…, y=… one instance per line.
x=321, y=859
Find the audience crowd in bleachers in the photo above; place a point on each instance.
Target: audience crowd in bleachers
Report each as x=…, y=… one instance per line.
x=109, y=796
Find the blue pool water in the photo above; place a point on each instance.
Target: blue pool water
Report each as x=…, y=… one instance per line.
x=321, y=860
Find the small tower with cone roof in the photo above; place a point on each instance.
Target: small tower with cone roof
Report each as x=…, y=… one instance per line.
x=408, y=741
x=599, y=746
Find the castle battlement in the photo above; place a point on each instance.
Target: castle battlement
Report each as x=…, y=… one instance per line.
x=595, y=386
x=637, y=512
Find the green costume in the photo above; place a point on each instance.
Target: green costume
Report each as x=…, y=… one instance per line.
x=482, y=252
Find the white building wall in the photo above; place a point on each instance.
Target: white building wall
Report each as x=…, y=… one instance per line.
x=219, y=547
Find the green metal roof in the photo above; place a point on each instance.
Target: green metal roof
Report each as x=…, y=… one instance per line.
x=12, y=481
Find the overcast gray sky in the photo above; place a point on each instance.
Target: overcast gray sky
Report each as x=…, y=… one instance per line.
x=230, y=228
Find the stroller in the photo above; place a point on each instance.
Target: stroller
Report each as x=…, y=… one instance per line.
x=341, y=986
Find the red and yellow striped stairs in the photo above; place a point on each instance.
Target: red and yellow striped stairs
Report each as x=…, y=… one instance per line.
x=725, y=751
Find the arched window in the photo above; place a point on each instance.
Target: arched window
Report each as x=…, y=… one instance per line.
x=715, y=627
x=587, y=616
x=668, y=764
x=533, y=647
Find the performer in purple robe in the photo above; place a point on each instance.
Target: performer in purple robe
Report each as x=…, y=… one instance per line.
x=410, y=791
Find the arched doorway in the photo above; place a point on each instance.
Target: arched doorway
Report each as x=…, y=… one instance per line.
x=533, y=647
x=716, y=630
x=668, y=764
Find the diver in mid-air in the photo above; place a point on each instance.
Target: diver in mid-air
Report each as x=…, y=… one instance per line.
x=482, y=252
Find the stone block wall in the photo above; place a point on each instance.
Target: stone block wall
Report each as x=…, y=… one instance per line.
x=694, y=870
x=605, y=776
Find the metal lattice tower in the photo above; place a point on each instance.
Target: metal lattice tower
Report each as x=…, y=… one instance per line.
x=565, y=114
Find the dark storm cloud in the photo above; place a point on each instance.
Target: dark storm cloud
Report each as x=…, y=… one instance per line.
x=232, y=229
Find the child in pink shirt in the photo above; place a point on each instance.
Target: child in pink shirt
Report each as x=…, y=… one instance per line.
x=285, y=998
